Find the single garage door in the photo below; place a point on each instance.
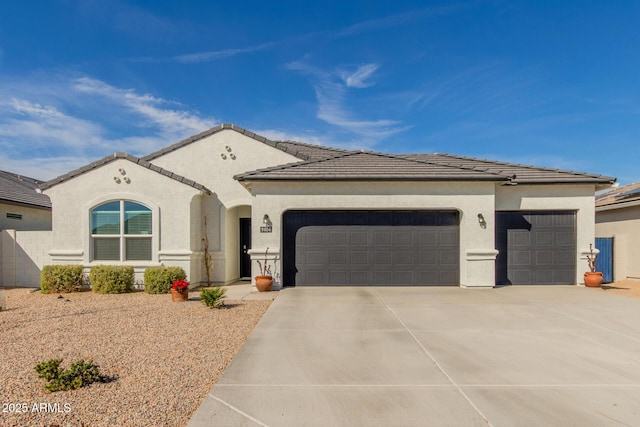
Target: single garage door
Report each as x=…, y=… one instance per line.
x=371, y=248
x=536, y=248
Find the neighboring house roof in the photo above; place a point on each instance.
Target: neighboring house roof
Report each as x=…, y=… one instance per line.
x=368, y=166
x=619, y=197
x=129, y=157
x=19, y=189
x=297, y=149
x=516, y=173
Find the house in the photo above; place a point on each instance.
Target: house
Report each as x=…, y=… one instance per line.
x=618, y=217
x=25, y=226
x=325, y=216
x=21, y=207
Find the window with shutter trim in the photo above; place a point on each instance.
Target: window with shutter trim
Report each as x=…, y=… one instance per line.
x=121, y=230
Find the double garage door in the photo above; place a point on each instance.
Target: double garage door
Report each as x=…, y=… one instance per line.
x=371, y=248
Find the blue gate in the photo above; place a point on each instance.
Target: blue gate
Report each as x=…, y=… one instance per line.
x=604, y=262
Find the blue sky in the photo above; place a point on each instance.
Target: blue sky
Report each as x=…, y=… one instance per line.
x=549, y=83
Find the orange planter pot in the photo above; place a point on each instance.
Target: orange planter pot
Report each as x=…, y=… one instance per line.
x=264, y=283
x=593, y=279
x=179, y=296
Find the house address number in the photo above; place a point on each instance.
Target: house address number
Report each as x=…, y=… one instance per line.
x=267, y=229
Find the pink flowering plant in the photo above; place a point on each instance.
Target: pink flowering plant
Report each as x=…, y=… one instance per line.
x=180, y=285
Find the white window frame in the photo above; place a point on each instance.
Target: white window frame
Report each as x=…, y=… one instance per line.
x=122, y=236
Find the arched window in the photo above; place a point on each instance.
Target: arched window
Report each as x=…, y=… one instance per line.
x=121, y=230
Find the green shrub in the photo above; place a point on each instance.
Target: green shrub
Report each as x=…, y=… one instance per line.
x=80, y=374
x=158, y=280
x=61, y=278
x=213, y=297
x=111, y=279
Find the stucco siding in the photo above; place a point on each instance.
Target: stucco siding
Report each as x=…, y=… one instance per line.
x=477, y=251
x=176, y=229
x=32, y=218
x=202, y=162
x=624, y=226
x=22, y=256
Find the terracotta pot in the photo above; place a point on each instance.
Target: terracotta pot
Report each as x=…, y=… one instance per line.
x=593, y=279
x=179, y=296
x=264, y=283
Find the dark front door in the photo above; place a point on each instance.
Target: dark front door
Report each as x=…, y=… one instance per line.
x=536, y=248
x=245, y=245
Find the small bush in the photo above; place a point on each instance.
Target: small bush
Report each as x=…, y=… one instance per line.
x=61, y=278
x=213, y=297
x=111, y=279
x=158, y=280
x=80, y=374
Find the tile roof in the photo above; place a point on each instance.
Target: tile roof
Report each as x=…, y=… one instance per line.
x=20, y=189
x=516, y=173
x=368, y=166
x=129, y=157
x=298, y=149
x=619, y=196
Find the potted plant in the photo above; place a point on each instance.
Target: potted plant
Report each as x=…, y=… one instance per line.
x=264, y=282
x=180, y=290
x=592, y=278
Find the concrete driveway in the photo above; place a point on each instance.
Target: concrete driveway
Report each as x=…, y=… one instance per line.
x=383, y=356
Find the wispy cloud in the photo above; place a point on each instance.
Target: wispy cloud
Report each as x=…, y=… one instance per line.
x=220, y=54
x=70, y=122
x=332, y=90
x=148, y=107
x=358, y=77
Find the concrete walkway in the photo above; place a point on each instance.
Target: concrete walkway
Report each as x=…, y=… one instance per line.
x=381, y=356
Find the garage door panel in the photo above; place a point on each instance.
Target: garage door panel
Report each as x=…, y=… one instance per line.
x=536, y=247
x=357, y=252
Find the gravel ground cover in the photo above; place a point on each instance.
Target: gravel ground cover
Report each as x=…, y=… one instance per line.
x=165, y=357
x=629, y=288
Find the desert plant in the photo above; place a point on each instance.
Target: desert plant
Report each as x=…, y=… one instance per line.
x=61, y=278
x=208, y=259
x=213, y=297
x=158, y=280
x=78, y=375
x=591, y=259
x=265, y=267
x=111, y=279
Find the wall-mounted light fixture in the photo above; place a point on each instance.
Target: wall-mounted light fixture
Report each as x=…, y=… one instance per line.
x=224, y=156
x=226, y=147
x=127, y=180
x=122, y=171
x=116, y=179
x=482, y=221
x=266, y=220
x=233, y=156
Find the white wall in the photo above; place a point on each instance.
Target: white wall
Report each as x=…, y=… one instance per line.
x=201, y=161
x=22, y=256
x=176, y=227
x=623, y=224
x=477, y=249
x=579, y=198
x=32, y=218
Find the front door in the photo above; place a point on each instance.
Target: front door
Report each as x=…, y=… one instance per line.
x=245, y=245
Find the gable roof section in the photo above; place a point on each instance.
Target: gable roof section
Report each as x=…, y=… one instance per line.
x=619, y=197
x=296, y=149
x=115, y=156
x=19, y=189
x=516, y=173
x=367, y=166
